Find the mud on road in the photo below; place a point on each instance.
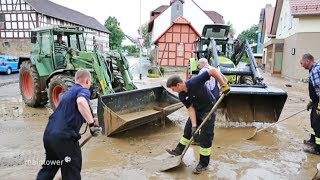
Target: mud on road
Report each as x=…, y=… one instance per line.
x=274, y=154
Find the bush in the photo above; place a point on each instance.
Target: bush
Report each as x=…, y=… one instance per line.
x=162, y=70
x=153, y=75
x=150, y=70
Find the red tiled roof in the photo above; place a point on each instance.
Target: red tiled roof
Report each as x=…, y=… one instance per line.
x=305, y=7
x=181, y=20
x=269, y=11
x=215, y=17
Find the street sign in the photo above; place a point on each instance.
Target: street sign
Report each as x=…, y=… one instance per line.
x=141, y=41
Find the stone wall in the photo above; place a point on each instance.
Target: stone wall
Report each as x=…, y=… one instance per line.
x=16, y=47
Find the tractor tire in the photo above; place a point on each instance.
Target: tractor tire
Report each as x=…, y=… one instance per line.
x=118, y=82
x=30, y=87
x=57, y=86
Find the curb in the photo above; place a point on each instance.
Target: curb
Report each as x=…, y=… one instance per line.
x=8, y=83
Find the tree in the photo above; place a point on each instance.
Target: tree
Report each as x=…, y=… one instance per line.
x=131, y=49
x=250, y=35
x=232, y=30
x=145, y=35
x=116, y=35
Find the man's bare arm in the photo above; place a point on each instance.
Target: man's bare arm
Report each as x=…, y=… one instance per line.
x=84, y=109
x=192, y=115
x=214, y=72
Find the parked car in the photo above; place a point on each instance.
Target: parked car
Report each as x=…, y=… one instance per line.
x=8, y=64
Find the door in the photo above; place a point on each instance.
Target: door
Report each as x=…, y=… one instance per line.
x=278, y=56
x=44, y=61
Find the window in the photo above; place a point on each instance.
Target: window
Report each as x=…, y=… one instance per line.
x=25, y=17
x=19, y=17
x=9, y=34
x=14, y=25
x=2, y=21
x=8, y=25
x=9, y=7
x=290, y=22
x=13, y=17
x=26, y=34
x=4, y=7
x=21, y=34
x=45, y=43
x=15, y=34
x=26, y=25
x=20, y=25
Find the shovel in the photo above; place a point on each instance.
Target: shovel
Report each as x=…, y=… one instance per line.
x=257, y=131
x=176, y=160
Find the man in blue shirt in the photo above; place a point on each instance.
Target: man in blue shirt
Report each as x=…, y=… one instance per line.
x=199, y=101
x=307, y=62
x=62, y=132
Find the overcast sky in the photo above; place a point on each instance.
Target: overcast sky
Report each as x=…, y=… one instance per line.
x=241, y=13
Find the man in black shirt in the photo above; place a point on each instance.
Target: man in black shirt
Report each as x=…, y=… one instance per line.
x=199, y=101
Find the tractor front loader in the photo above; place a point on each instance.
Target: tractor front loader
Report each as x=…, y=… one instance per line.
x=250, y=99
x=47, y=74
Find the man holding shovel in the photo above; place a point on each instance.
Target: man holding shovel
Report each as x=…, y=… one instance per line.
x=307, y=61
x=62, y=132
x=199, y=101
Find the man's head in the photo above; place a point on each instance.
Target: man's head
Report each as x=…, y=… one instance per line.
x=202, y=62
x=307, y=61
x=59, y=38
x=176, y=83
x=83, y=77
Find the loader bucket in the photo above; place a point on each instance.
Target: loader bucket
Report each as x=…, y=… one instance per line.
x=121, y=111
x=252, y=104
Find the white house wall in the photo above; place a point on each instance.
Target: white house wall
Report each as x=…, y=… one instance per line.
x=287, y=24
x=309, y=24
x=195, y=15
x=161, y=24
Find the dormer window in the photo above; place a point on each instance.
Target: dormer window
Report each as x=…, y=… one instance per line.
x=178, y=7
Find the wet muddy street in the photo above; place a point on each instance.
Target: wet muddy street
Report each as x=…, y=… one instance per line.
x=276, y=153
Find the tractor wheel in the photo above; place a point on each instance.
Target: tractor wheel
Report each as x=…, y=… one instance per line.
x=118, y=82
x=58, y=85
x=30, y=86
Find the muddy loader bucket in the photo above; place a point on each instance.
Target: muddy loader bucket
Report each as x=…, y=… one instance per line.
x=125, y=110
x=252, y=104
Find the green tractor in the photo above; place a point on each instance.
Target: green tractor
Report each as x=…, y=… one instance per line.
x=250, y=99
x=46, y=74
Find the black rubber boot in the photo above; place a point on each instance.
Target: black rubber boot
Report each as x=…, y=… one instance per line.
x=312, y=151
x=203, y=164
x=199, y=169
x=177, y=151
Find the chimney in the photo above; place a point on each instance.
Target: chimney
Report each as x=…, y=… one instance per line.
x=176, y=9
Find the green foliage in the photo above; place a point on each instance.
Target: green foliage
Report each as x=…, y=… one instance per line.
x=150, y=70
x=162, y=70
x=116, y=35
x=250, y=35
x=146, y=35
x=232, y=29
x=131, y=49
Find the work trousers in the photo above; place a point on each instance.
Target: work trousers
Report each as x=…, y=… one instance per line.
x=315, y=125
x=64, y=150
x=205, y=137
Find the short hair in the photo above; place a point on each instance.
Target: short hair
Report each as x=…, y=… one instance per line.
x=308, y=56
x=203, y=60
x=81, y=74
x=174, y=80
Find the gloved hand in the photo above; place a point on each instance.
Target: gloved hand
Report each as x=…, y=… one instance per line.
x=95, y=130
x=193, y=130
x=318, y=109
x=309, y=106
x=225, y=89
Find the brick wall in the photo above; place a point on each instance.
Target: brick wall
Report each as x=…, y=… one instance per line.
x=17, y=47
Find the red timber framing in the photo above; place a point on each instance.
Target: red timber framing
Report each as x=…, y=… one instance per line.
x=16, y=19
x=175, y=46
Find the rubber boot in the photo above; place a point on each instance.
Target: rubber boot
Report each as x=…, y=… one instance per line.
x=177, y=151
x=203, y=164
x=311, y=141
